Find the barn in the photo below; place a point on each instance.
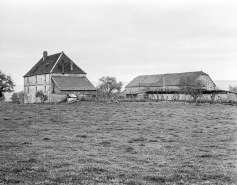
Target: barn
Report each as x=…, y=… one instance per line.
x=166, y=87
x=56, y=75
x=165, y=82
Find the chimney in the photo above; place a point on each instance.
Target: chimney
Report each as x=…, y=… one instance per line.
x=62, y=66
x=45, y=54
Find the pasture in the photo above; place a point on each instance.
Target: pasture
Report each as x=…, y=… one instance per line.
x=118, y=143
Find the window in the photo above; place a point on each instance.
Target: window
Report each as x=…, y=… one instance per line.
x=35, y=89
x=35, y=79
x=45, y=78
x=53, y=89
x=28, y=89
x=27, y=80
x=45, y=89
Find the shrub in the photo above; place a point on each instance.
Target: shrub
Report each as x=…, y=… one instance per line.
x=41, y=95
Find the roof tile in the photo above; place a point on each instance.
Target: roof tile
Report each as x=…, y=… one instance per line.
x=71, y=83
x=43, y=67
x=171, y=79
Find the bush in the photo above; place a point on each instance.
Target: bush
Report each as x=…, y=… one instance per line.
x=41, y=95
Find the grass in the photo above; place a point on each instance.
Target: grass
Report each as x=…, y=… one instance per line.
x=123, y=143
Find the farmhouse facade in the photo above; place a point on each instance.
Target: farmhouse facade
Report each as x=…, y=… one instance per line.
x=56, y=75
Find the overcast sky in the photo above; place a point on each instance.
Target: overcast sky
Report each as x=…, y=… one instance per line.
x=119, y=38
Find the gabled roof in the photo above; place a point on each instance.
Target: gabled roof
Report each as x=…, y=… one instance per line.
x=67, y=66
x=43, y=67
x=171, y=79
x=53, y=64
x=72, y=83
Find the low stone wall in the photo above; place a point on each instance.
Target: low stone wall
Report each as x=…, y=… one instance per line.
x=58, y=97
x=216, y=97
x=231, y=97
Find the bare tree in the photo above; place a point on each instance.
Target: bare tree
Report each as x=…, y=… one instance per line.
x=18, y=96
x=108, y=85
x=6, y=83
x=233, y=89
x=191, y=87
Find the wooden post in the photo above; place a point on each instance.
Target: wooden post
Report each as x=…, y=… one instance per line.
x=157, y=95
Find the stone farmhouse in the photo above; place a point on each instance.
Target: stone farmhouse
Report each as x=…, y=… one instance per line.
x=166, y=87
x=56, y=75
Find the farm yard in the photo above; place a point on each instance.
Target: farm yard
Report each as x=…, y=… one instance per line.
x=118, y=143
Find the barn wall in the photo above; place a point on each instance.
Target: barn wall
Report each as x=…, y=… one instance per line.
x=129, y=90
x=207, y=81
x=132, y=90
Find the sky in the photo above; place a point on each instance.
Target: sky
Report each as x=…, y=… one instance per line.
x=123, y=39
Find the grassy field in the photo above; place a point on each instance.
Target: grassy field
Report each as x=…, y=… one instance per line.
x=118, y=143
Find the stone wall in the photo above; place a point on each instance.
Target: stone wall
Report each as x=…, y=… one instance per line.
x=216, y=97
x=36, y=83
x=58, y=97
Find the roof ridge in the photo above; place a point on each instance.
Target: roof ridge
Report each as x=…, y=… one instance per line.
x=60, y=55
x=172, y=73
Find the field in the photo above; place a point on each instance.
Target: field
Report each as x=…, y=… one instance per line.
x=118, y=143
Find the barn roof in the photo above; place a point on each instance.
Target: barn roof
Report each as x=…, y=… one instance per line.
x=171, y=79
x=72, y=83
x=48, y=65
